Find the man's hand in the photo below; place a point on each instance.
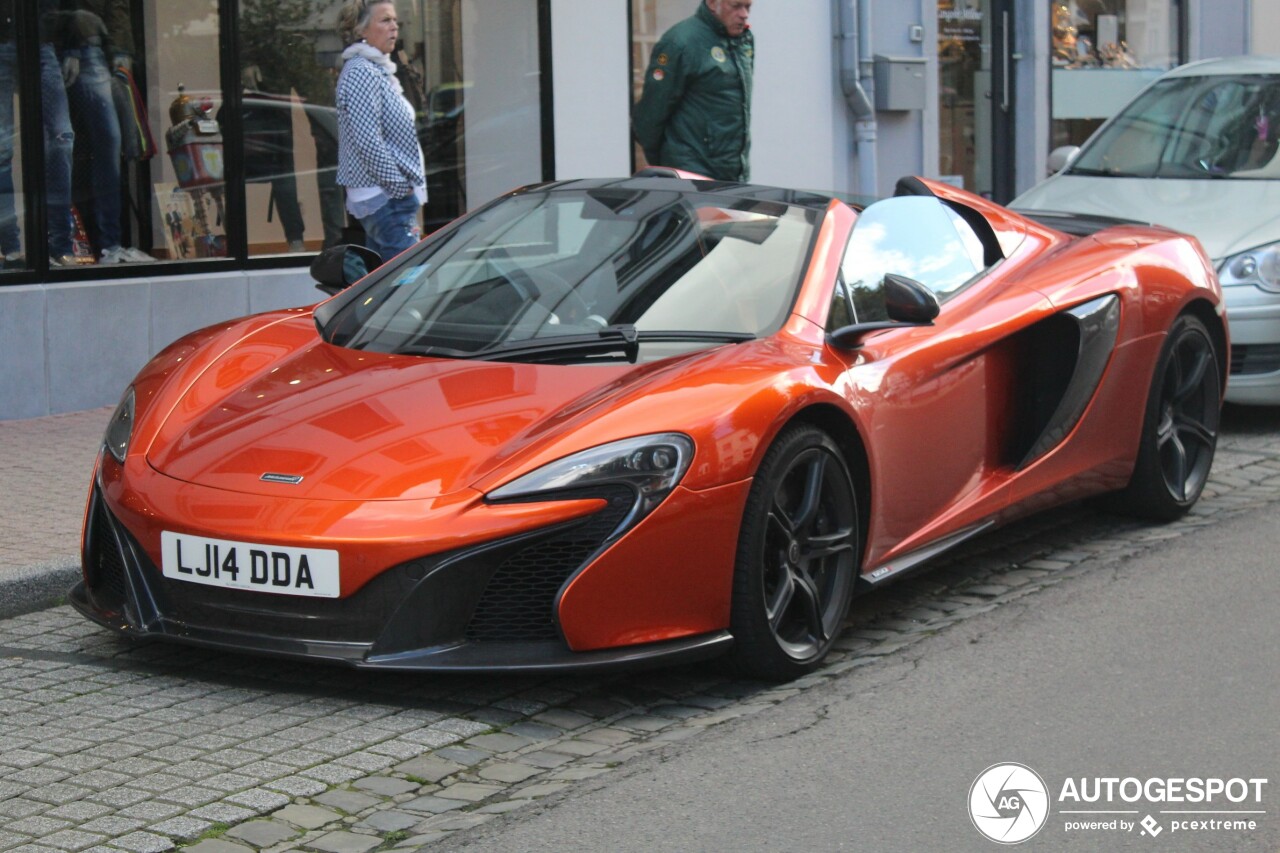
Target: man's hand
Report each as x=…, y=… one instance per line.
x=70, y=70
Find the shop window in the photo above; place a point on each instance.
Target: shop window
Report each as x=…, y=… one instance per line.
x=149, y=157
x=649, y=20
x=12, y=247
x=1103, y=53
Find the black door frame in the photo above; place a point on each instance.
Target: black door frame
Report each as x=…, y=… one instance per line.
x=1003, y=98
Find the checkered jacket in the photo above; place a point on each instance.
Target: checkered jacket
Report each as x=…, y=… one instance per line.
x=377, y=142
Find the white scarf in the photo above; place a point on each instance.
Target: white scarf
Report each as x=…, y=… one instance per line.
x=378, y=58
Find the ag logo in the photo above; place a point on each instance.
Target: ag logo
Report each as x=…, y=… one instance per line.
x=1008, y=803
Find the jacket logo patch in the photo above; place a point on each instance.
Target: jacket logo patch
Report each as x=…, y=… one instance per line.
x=662, y=59
x=717, y=53
x=659, y=75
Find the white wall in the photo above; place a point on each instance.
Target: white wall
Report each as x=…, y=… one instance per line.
x=76, y=345
x=1265, y=25
x=590, y=73
x=799, y=125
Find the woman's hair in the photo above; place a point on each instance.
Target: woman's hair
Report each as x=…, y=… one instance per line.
x=354, y=17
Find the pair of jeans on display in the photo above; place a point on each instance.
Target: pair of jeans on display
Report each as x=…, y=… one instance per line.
x=93, y=111
x=393, y=227
x=58, y=142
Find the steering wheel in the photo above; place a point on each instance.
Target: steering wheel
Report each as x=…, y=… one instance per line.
x=552, y=292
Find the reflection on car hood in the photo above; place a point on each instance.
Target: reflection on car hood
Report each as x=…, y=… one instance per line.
x=364, y=426
x=1226, y=215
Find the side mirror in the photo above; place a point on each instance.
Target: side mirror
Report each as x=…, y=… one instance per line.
x=1060, y=158
x=907, y=303
x=338, y=267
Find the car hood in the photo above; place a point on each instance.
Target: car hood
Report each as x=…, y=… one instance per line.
x=1226, y=216
x=366, y=426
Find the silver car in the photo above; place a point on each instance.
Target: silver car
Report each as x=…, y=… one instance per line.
x=1196, y=151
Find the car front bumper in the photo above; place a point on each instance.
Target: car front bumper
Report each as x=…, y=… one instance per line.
x=469, y=610
x=1253, y=316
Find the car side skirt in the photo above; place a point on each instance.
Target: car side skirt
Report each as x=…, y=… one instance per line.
x=908, y=563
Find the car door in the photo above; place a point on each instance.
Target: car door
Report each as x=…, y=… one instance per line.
x=938, y=402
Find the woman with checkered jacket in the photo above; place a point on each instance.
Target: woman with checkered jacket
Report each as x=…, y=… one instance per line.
x=379, y=158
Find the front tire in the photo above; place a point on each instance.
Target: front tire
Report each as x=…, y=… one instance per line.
x=798, y=553
x=1180, y=429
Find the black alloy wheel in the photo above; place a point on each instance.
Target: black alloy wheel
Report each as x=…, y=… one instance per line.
x=1180, y=431
x=798, y=551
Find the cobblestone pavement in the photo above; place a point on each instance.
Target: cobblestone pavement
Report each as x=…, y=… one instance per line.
x=110, y=746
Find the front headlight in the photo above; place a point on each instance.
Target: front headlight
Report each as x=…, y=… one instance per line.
x=1259, y=267
x=120, y=428
x=649, y=465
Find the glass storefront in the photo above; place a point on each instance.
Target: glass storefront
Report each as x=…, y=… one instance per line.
x=649, y=20
x=1103, y=53
x=976, y=105
x=198, y=131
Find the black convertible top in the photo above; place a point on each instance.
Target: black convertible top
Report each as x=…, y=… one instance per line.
x=1075, y=224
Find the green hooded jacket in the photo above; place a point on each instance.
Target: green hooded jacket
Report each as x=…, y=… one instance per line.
x=695, y=110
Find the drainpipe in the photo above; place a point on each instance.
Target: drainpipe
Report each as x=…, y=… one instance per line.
x=857, y=71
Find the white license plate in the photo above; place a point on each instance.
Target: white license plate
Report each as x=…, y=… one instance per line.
x=245, y=565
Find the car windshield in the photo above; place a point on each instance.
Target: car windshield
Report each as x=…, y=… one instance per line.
x=1191, y=127
x=579, y=273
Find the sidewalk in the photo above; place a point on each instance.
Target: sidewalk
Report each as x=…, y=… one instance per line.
x=44, y=479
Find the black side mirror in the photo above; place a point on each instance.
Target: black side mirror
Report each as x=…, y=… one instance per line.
x=907, y=303
x=338, y=267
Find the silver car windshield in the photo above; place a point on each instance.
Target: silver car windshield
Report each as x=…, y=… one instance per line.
x=1192, y=127
x=574, y=265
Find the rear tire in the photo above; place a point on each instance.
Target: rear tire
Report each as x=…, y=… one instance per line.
x=1180, y=429
x=798, y=553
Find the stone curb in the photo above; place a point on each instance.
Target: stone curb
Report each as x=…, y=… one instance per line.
x=38, y=587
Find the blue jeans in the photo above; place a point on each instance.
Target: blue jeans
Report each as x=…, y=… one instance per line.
x=392, y=228
x=93, y=109
x=58, y=141
x=10, y=238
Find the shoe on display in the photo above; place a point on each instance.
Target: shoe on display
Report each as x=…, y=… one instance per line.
x=65, y=261
x=136, y=256
x=114, y=255
x=297, y=246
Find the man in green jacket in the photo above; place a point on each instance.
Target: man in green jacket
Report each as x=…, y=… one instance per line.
x=695, y=110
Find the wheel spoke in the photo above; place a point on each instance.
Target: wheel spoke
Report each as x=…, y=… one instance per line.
x=776, y=607
x=1175, y=467
x=1189, y=377
x=814, y=473
x=826, y=545
x=1196, y=431
x=778, y=523
x=810, y=602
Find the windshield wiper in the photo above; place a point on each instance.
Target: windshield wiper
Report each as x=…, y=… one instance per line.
x=622, y=338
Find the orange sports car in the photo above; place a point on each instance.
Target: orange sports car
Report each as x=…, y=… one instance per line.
x=611, y=422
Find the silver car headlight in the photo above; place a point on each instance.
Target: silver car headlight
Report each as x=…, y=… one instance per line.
x=649, y=466
x=120, y=428
x=1259, y=267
